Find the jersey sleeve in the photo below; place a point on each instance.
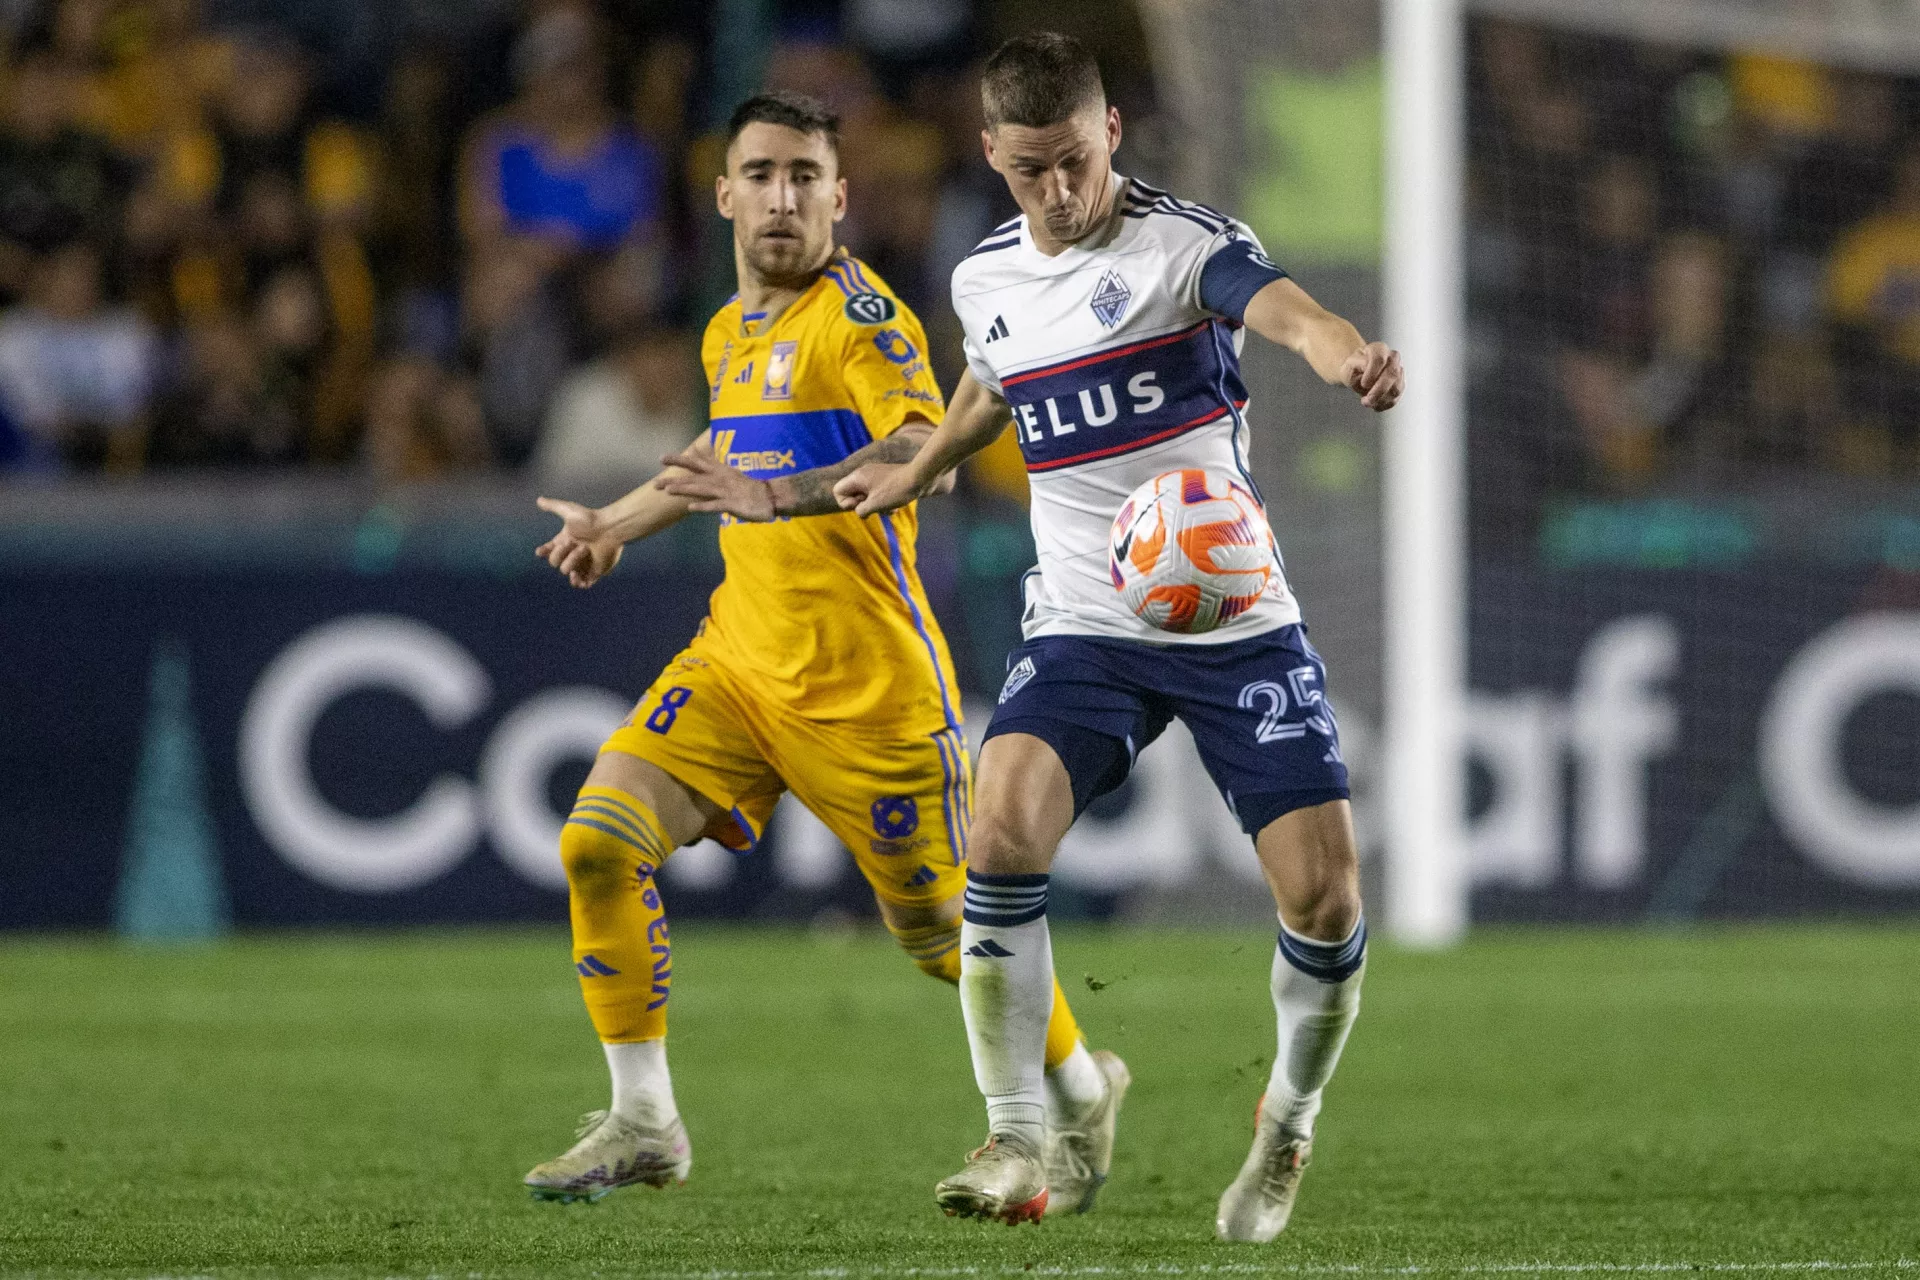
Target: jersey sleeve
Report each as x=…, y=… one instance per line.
x=977, y=365
x=887, y=373
x=713, y=343
x=1233, y=267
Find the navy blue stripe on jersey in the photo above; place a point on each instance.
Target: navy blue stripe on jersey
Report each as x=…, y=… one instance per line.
x=1173, y=203
x=1009, y=224
x=1112, y=402
x=1101, y=357
x=1231, y=277
x=765, y=445
x=1174, y=209
x=837, y=274
x=1164, y=208
x=1224, y=353
x=1161, y=193
x=1143, y=200
x=992, y=246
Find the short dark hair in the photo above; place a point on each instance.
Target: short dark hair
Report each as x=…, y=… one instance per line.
x=1038, y=79
x=785, y=107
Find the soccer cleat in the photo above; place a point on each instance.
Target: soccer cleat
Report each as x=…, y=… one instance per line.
x=613, y=1152
x=1004, y=1179
x=1079, y=1155
x=1256, y=1207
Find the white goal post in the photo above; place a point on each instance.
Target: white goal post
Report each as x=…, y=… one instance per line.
x=1423, y=480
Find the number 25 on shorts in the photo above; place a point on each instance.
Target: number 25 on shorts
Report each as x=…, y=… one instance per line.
x=671, y=701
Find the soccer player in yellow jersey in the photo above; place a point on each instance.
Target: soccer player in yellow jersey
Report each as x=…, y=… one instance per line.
x=819, y=669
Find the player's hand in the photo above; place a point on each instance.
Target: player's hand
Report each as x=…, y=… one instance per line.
x=876, y=487
x=1375, y=375
x=583, y=551
x=715, y=486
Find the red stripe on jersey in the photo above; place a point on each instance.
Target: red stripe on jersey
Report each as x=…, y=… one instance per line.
x=1104, y=356
x=1141, y=443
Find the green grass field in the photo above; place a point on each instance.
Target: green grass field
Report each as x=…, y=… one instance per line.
x=1744, y=1100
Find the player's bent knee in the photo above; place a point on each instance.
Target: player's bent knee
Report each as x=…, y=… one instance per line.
x=1313, y=865
x=595, y=863
x=607, y=846
x=1329, y=916
x=998, y=846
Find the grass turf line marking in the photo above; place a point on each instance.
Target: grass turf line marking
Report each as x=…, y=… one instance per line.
x=1297, y=1269
x=1177, y=1269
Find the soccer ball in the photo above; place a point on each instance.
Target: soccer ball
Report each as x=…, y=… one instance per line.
x=1190, y=550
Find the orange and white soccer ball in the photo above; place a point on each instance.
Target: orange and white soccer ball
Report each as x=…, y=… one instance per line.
x=1190, y=550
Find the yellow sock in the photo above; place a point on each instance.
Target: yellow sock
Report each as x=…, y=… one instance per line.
x=611, y=845
x=1063, y=1033
x=936, y=950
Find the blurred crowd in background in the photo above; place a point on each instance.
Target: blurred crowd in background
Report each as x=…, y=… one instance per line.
x=328, y=234
x=1686, y=270
x=443, y=237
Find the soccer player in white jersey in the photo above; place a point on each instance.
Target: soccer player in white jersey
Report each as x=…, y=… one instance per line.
x=1109, y=318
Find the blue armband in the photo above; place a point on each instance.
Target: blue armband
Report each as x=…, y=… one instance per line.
x=1231, y=277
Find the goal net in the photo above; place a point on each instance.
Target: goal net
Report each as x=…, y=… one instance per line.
x=1690, y=364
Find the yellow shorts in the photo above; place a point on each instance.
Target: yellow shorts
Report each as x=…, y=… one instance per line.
x=899, y=803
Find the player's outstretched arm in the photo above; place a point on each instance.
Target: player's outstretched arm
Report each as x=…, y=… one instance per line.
x=1282, y=312
x=974, y=420
x=591, y=538
x=707, y=483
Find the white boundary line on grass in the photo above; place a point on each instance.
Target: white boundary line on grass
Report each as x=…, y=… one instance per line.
x=1212, y=1269
x=1295, y=1269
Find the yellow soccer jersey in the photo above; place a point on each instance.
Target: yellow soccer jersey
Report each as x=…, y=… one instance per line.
x=825, y=615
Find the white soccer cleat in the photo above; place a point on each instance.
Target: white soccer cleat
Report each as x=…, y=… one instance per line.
x=1079, y=1155
x=1004, y=1179
x=1256, y=1207
x=613, y=1152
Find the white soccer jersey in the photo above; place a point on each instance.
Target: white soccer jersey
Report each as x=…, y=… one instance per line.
x=1121, y=360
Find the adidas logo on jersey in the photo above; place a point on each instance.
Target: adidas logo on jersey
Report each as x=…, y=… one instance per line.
x=593, y=966
x=999, y=329
x=988, y=949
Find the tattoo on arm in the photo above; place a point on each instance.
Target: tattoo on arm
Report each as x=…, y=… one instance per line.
x=810, y=493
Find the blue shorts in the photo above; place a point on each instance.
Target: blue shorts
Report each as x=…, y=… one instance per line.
x=1257, y=710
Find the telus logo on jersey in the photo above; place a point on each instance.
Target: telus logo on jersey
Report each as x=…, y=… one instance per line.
x=1112, y=402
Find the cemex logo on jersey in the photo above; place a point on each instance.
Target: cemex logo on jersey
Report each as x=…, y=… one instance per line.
x=750, y=460
x=1133, y=396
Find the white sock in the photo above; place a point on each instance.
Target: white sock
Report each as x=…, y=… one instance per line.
x=1076, y=1086
x=642, y=1089
x=1006, y=993
x=1316, y=995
